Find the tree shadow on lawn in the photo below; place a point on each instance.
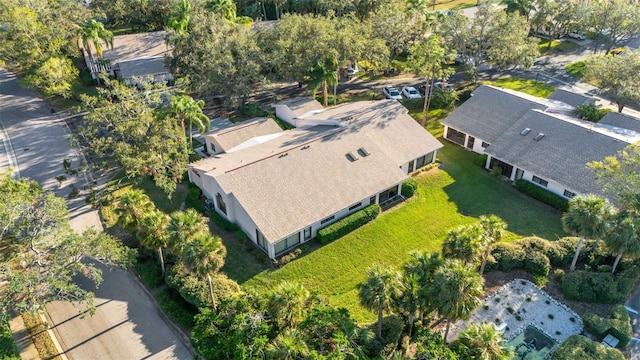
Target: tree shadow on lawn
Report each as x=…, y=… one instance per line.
x=476, y=192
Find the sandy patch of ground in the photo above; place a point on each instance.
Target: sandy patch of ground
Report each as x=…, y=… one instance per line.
x=518, y=304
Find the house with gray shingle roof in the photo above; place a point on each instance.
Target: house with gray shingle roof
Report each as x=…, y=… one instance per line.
x=546, y=144
x=134, y=58
x=281, y=187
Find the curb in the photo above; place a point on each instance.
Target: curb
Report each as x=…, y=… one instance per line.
x=45, y=319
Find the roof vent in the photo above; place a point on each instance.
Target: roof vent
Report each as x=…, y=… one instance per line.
x=352, y=157
x=525, y=131
x=538, y=137
x=363, y=152
x=283, y=155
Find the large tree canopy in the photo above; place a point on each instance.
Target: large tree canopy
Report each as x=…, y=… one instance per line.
x=42, y=254
x=620, y=175
x=123, y=123
x=618, y=76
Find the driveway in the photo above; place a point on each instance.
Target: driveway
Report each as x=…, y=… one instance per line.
x=127, y=324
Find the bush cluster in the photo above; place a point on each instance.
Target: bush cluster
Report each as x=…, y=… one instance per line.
x=223, y=223
x=618, y=325
x=580, y=347
x=409, y=188
x=253, y=110
x=193, y=199
x=443, y=99
x=600, y=287
x=348, y=224
x=543, y=195
x=591, y=112
x=195, y=291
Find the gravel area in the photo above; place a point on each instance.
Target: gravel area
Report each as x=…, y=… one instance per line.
x=518, y=304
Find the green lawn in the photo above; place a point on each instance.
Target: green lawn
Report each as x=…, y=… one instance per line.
x=531, y=87
x=556, y=46
x=444, y=195
x=576, y=69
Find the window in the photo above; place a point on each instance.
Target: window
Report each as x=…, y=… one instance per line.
x=470, y=142
x=355, y=206
x=455, y=136
x=540, y=181
x=221, y=205
x=327, y=219
x=569, y=194
x=485, y=145
x=410, y=166
x=262, y=242
x=213, y=147
x=307, y=233
x=420, y=162
x=286, y=243
x=372, y=200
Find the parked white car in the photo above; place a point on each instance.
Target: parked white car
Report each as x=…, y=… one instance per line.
x=578, y=35
x=410, y=92
x=391, y=93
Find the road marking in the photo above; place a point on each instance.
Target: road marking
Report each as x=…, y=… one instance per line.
x=11, y=157
x=631, y=310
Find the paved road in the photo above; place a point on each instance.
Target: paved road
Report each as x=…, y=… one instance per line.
x=127, y=325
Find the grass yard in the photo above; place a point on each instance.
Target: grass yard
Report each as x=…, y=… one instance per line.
x=531, y=87
x=455, y=194
x=556, y=46
x=576, y=69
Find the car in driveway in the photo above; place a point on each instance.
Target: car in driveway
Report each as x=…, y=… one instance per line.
x=437, y=85
x=410, y=92
x=578, y=35
x=391, y=92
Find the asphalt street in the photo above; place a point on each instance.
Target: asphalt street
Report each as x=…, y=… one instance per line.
x=127, y=324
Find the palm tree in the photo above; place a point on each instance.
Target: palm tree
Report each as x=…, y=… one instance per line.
x=93, y=32
x=225, y=8
x=180, y=15
x=624, y=239
x=424, y=265
x=323, y=74
x=187, y=110
x=133, y=206
x=204, y=255
x=491, y=231
x=378, y=291
x=183, y=225
x=411, y=298
x=154, y=234
x=289, y=345
x=586, y=217
x=484, y=342
x=456, y=291
x=289, y=303
x=462, y=243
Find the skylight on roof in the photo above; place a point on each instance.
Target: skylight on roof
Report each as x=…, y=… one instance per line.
x=525, y=131
x=363, y=152
x=352, y=157
x=538, y=137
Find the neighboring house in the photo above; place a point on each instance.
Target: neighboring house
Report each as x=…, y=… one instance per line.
x=281, y=187
x=536, y=139
x=139, y=56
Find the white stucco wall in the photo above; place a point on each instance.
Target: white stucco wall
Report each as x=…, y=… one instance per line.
x=284, y=113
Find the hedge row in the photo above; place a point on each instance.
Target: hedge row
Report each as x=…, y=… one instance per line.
x=409, y=188
x=532, y=254
x=543, y=195
x=600, y=287
x=618, y=325
x=348, y=224
x=223, y=223
x=579, y=347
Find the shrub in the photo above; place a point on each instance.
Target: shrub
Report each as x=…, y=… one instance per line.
x=289, y=257
x=253, y=110
x=178, y=310
x=443, y=99
x=222, y=223
x=536, y=263
x=480, y=160
x=348, y=224
x=409, y=188
x=8, y=349
x=558, y=255
x=591, y=287
x=195, y=291
x=193, y=199
x=507, y=256
x=558, y=275
x=579, y=347
x=591, y=112
x=618, y=325
x=149, y=273
x=543, y=195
